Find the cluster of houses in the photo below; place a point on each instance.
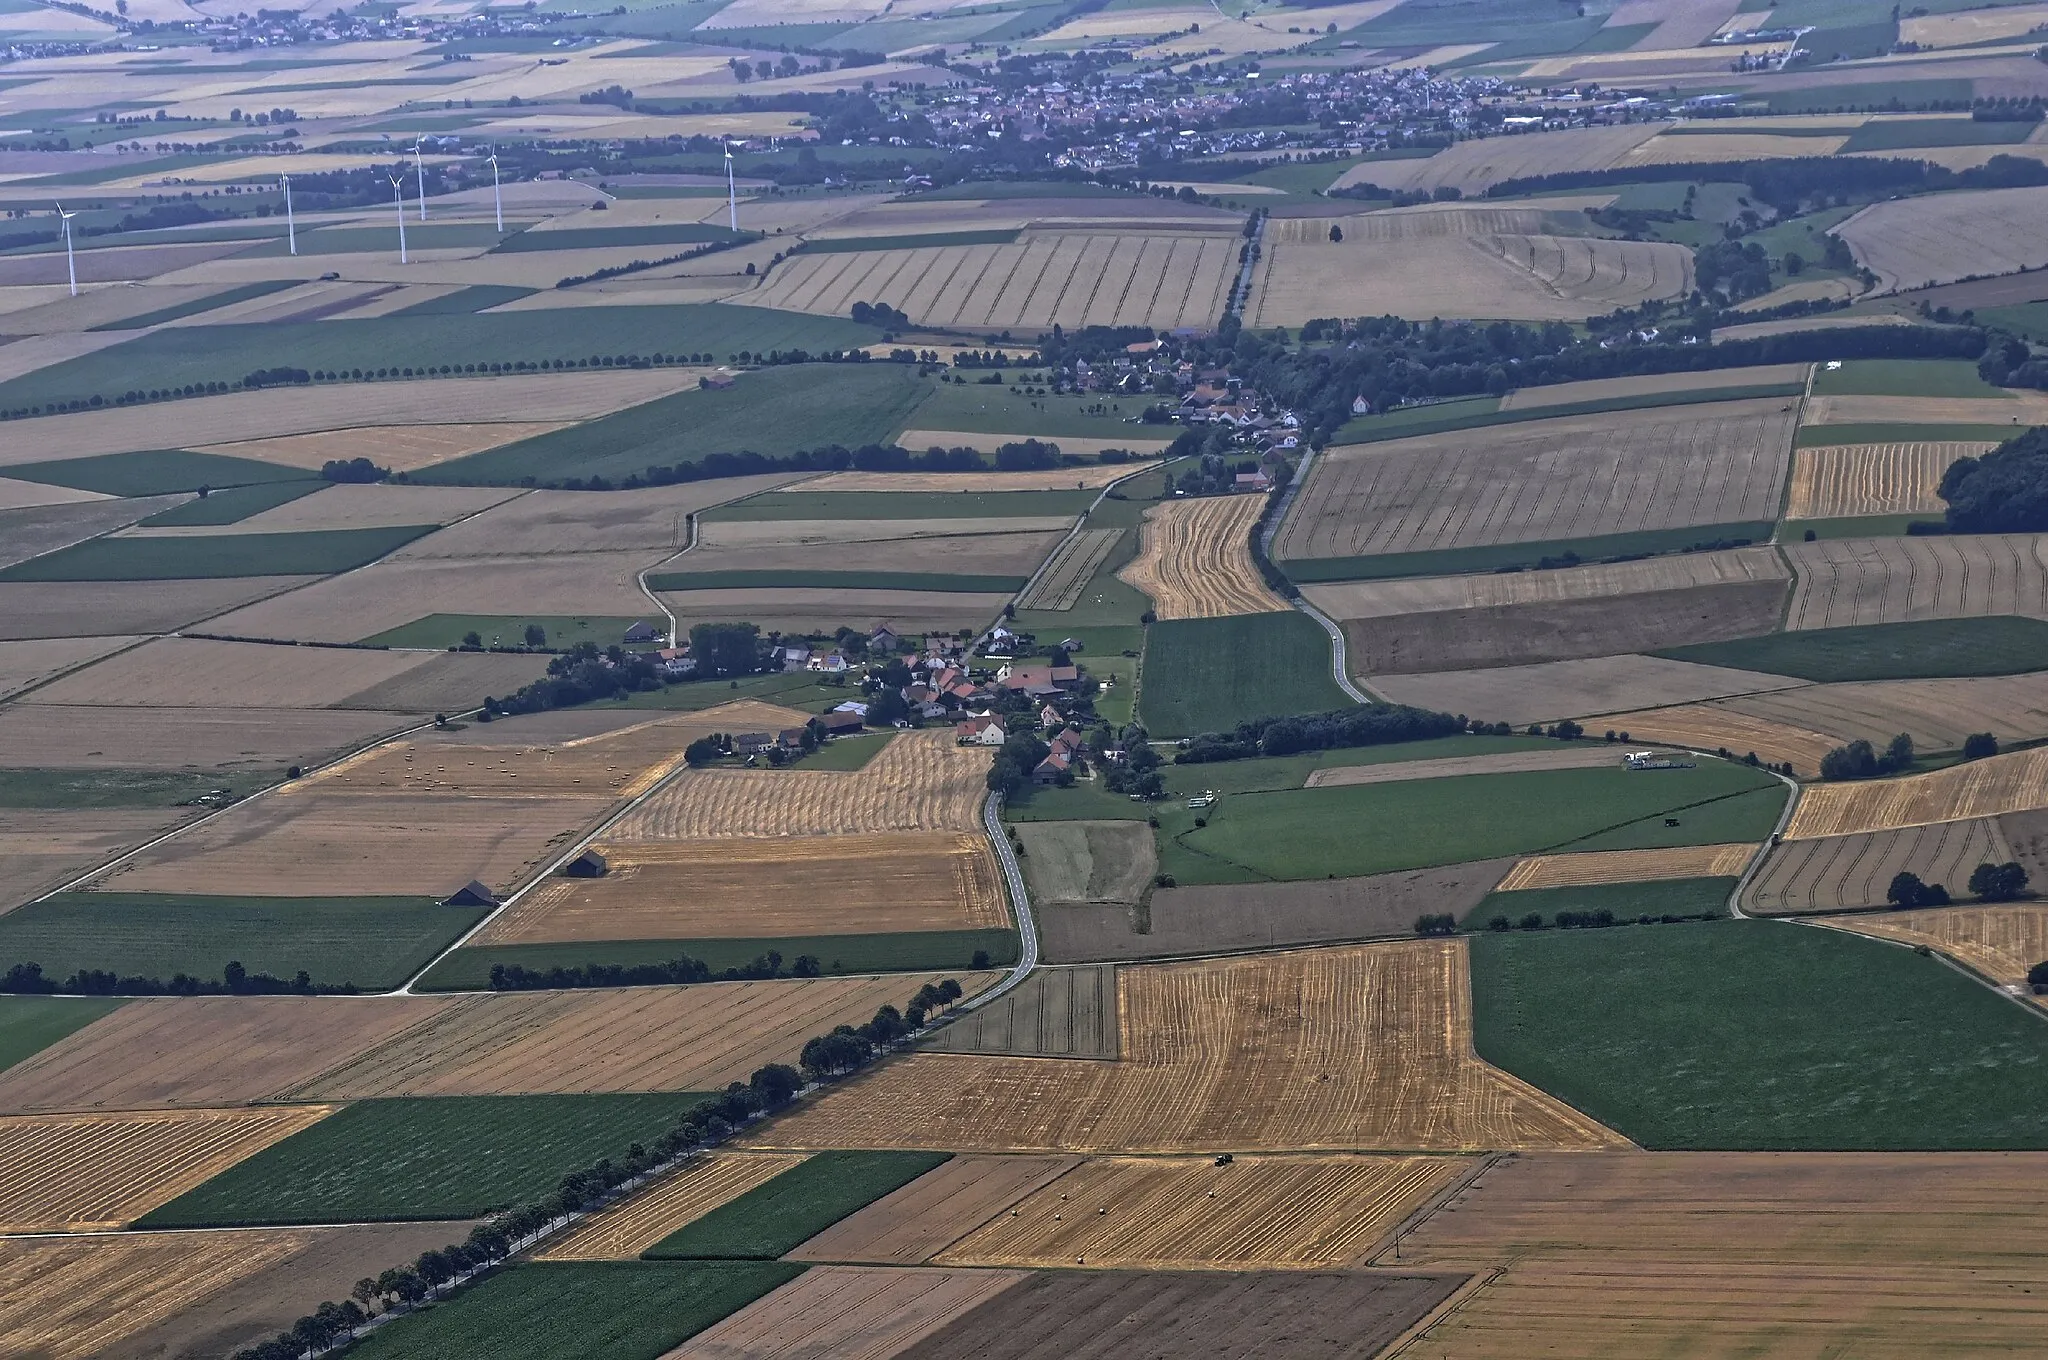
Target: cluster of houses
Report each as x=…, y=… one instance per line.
x=990, y=729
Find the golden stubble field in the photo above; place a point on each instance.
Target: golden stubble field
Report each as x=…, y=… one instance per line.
x=1712, y=727
x=1838, y=481
x=1982, y=788
x=1939, y=238
x=620, y=1232
x=1357, y=1048
x=1628, y=866
x=1194, y=559
x=1066, y=575
x=1848, y=581
x=1856, y=871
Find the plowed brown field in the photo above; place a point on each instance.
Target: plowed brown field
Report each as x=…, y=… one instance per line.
x=694, y=1038
x=2001, y=942
x=1782, y=1256
x=1627, y=866
x=1367, y=1047
x=848, y=1313
x=624, y=1230
x=1709, y=727
x=1194, y=559
x=921, y=782
x=1841, y=480
x=1857, y=871
x=908, y=1226
x=1981, y=788
x=80, y=1173
x=802, y=885
x=1180, y=1213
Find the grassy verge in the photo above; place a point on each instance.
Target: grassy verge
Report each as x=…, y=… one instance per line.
x=320, y=553
x=596, y=1310
x=30, y=1024
x=794, y=1207
x=509, y=630
x=156, y=472
x=424, y=1158
x=1478, y=412
x=38, y=788
x=1349, y=831
x=1814, y=436
x=373, y=942
x=857, y=505
x=798, y=579
x=1206, y=675
x=193, y=306
x=1927, y=649
x=909, y=952
x=1628, y=901
x=1500, y=556
x=1759, y=1034
x=233, y=505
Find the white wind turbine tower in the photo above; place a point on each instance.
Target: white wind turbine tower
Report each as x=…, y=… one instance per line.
x=398, y=202
x=497, y=199
x=732, y=196
x=291, y=229
x=70, y=266
x=420, y=168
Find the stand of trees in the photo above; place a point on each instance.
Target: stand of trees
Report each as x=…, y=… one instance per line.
x=1860, y=760
x=1320, y=732
x=681, y=969
x=28, y=979
x=724, y=649
x=1907, y=891
x=2004, y=492
x=1020, y=754
x=1998, y=882
x=578, y=676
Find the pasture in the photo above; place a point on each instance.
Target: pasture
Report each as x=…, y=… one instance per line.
x=1207, y=675
x=1833, y=872
x=1845, y=583
x=417, y=1159
x=779, y=1214
x=1372, y=1041
x=1990, y=645
x=1760, y=1035
x=623, y=1230
x=2016, y=782
x=1194, y=559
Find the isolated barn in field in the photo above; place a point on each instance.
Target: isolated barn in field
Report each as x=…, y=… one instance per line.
x=471, y=894
x=589, y=864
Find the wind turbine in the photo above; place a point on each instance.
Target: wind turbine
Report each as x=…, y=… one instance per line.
x=732, y=196
x=497, y=200
x=70, y=266
x=398, y=202
x=420, y=168
x=291, y=230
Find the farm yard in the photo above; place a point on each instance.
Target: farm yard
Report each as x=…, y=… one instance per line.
x=1850, y=581
x=1982, y=788
x=1194, y=559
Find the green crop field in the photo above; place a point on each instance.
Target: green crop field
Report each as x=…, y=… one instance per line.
x=862, y=505
x=595, y=238
x=775, y=411
x=1815, y=436
x=978, y=408
x=1906, y=133
x=464, y=301
x=2027, y=318
x=1206, y=675
x=908, y=952
x=1926, y=649
x=1473, y=413
x=509, y=630
x=30, y=1024
x=1628, y=901
x=1904, y=377
x=318, y=553
x=593, y=1310
x=424, y=1158
x=1761, y=1034
x=374, y=942
x=795, y=1206
x=38, y=788
x=241, y=292
x=1860, y=526
x=1346, y=831
x=234, y=504
x=799, y=579
x=1500, y=556
x=157, y=472
x=435, y=343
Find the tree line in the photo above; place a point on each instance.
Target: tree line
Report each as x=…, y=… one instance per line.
x=27, y=979
x=578, y=676
x=1373, y=726
x=1988, y=882
x=512, y=977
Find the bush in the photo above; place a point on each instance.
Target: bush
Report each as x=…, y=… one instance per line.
x=1436, y=924
x=1978, y=745
x=1859, y=760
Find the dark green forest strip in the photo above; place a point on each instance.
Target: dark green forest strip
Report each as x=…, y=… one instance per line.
x=241, y=292
x=30, y=1024
x=1761, y=1035
x=1206, y=675
x=907, y=952
x=835, y=580
x=1923, y=650
x=1628, y=901
x=154, y=472
x=1474, y=415
x=234, y=504
x=1495, y=557
x=318, y=553
x=421, y=1158
x=797, y=1205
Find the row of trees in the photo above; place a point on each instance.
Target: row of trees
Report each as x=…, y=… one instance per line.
x=1376, y=726
x=578, y=676
x=27, y=979
x=1860, y=760
x=512, y=977
x=1989, y=882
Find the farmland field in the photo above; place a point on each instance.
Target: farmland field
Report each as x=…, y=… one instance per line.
x=1069, y=569
x=911, y=1225
x=1831, y=872
x=1194, y=559
x=912, y=951
x=1627, y=866
x=1837, y=481
x=2001, y=942
x=1207, y=675
x=849, y=1310
x=1070, y=863
x=85, y=1173
x=1563, y=756
x=418, y=1159
x=1055, y=1013
x=1186, y=1213
x=780, y=1214
x=1556, y=689
x=1717, y=727
x=1372, y=599
x=1846, y=582
x=1382, y=1028
x=30, y=1024
x=1760, y=1035
x=402, y=448
x=225, y=555
x=1983, y=646
x=1553, y=480
x=89, y=609
x=606, y=1310
x=623, y=1230
x=2016, y=782
x=1628, y=902
x=1940, y=714
x=1939, y=238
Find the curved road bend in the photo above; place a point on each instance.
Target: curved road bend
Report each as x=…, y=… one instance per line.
x=1020, y=906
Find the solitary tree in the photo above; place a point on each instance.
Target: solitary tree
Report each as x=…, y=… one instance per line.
x=536, y=636
x=1336, y=232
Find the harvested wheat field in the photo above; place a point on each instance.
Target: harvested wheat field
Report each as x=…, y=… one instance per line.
x=909, y=1226
x=693, y=1038
x=2014, y=407
x=94, y=1172
x=231, y=740
x=1567, y=756
x=1473, y=166
x=183, y=1052
x=1194, y=559
x=1052, y=479
x=1982, y=788
x=920, y=782
x=1545, y=480
x=31, y=662
x=62, y=609
x=377, y=505
x=1650, y=384
x=1847, y=581
x=1069, y=278
x=2001, y=942
x=402, y=448
x=1832, y=872
x=813, y=610
x=621, y=1231
x=728, y=534
x=1939, y=238
x=1563, y=689
x=1783, y=1256
x=975, y=553
x=1066, y=575
x=1711, y=727
x=1628, y=866
x=1182, y=1213
x=42, y=849
x=557, y=523
x=1939, y=714
x=833, y=1312
x=1373, y=1043
x=1837, y=481
x=1054, y=1013
x=815, y=885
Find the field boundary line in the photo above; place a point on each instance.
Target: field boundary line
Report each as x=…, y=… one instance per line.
x=1339, y=663
x=1763, y=852
x=1020, y=908
x=1933, y=951
x=1428, y=1209
x=1429, y=1321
